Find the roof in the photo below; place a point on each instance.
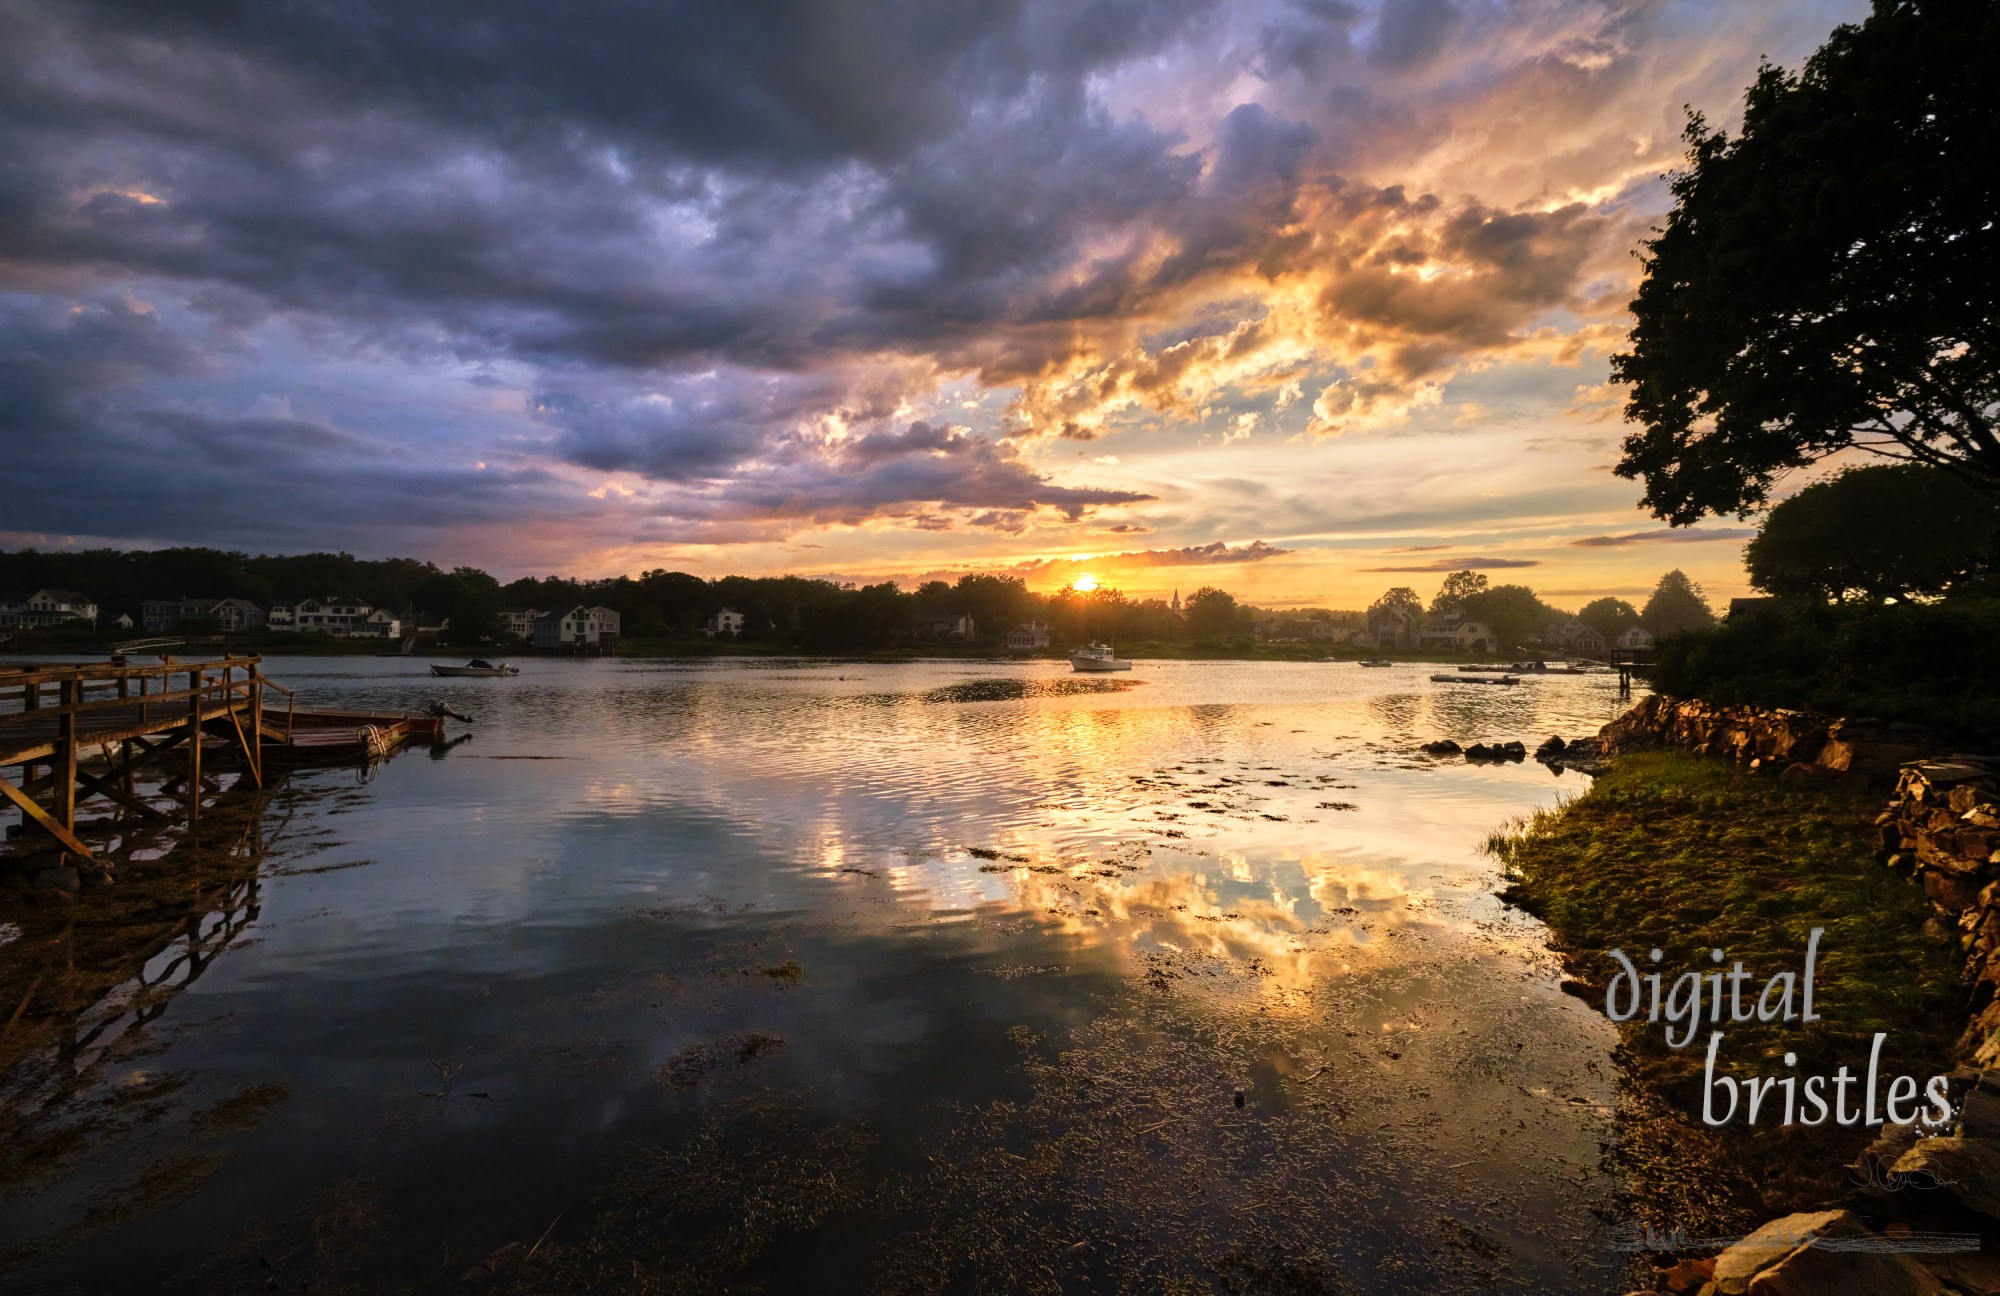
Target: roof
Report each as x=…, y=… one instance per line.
x=67, y=596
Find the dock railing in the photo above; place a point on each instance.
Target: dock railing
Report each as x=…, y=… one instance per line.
x=51, y=715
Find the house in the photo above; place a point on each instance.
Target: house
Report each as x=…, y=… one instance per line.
x=949, y=627
x=1439, y=630
x=124, y=621
x=1634, y=637
x=519, y=622
x=46, y=608
x=725, y=622
x=1025, y=638
x=342, y=616
x=230, y=615
x=1391, y=627
x=1578, y=639
x=1473, y=637
x=608, y=622
x=574, y=627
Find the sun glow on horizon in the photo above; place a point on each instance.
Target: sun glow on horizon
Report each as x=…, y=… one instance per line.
x=1085, y=583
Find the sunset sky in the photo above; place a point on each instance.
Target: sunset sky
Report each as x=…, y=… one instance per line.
x=1303, y=298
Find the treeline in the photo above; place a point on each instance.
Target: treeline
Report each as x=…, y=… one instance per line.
x=1516, y=615
x=1883, y=588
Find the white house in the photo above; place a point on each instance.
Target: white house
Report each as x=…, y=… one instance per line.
x=1439, y=631
x=520, y=622
x=1023, y=638
x=1391, y=627
x=572, y=627
x=1634, y=637
x=1474, y=636
x=608, y=622
x=725, y=622
x=341, y=616
x=46, y=608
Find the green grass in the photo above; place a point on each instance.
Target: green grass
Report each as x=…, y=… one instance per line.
x=1672, y=851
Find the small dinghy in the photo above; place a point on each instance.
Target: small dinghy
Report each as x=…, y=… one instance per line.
x=1474, y=679
x=1378, y=661
x=476, y=668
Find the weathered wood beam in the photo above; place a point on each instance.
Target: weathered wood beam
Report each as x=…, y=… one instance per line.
x=41, y=817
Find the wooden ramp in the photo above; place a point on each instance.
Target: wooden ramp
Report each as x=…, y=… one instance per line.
x=53, y=718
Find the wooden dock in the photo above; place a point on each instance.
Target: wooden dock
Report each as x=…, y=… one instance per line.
x=54, y=718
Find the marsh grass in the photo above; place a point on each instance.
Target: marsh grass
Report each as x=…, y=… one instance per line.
x=1675, y=852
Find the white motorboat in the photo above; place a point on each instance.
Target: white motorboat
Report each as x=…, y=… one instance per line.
x=477, y=668
x=1096, y=657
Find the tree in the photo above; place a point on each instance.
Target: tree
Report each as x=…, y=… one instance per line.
x=1677, y=604
x=1828, y=278
x=1457, y=587
x=1888, y=531
x=1610, y=617
x=1400, y=599
x=1211, y=613
x=1513, y=613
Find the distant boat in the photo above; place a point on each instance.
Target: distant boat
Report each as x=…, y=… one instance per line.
x=477, y=667
x=1378, y=661
x=1474, y=679
x=1096, y=657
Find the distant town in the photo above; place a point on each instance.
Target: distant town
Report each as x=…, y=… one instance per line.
x=108, y=597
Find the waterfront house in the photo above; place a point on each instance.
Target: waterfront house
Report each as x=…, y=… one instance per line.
x=519, y=622
x=229, y=615
x=1634, y=637
x=1439, y=631
x=726, y=622
x=949, y=627
x=342, y=616
x=1474, y=637
x=1026, y=638
x=46, y=607
x=1391, y=627
x=576, y=627
x=608, y=622
x=1579, y=640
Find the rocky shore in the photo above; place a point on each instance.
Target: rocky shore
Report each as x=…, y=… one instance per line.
x=1923, y=1215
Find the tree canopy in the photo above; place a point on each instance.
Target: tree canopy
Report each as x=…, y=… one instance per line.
x=1514, y=613
x=1827, y=278
x=1677, y=604
x=1457, y=588
x=1610, y=617
x=1887, y=531
x=1211, y=613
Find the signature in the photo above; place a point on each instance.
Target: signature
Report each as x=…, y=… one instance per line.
x=1872, y=1173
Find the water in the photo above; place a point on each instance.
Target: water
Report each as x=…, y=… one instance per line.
x=815, y=976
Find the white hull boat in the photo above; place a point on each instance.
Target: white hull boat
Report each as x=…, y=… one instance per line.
x=1096, y=658
x=476, y=669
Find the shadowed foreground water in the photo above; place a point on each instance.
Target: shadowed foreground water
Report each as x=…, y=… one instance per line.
x=811, y=976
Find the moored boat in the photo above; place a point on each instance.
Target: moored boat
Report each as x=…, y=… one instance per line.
x=1378, y=661
x=1474, y=679
x=1096, y=657
x=476, y=668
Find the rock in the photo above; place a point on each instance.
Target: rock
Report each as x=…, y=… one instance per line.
x=1745, y=1259
x=1952, y=893
x=1979, y=1111
x=1687, y=1276
x=1816, y=1271
x=1553, y=747
x=1479, y=752
x=1803, y=773
x=1442, y=747
x=1972, y=1271
x=1972, y=1167
x=1512, y=750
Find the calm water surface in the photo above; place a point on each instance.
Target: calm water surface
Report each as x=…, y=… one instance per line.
x=811, y=976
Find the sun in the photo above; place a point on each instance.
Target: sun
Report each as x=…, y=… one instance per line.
x=1085, y=583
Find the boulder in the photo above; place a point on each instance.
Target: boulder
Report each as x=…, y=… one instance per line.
x=1970, y=1166
x=1550, y=749
x=1442, y=747
x=1479, y=752
x=1751, y=1256
x=1814, y=1270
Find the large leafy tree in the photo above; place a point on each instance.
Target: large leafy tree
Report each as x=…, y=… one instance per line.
x=1457, y=588
x=1400, y=599
x=1211, y=613
x=1609, y=616
x=1874, y=533
x=1827, y=278
x=1513, y=613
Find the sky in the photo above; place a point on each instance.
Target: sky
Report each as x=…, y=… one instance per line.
x=1302, y=298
